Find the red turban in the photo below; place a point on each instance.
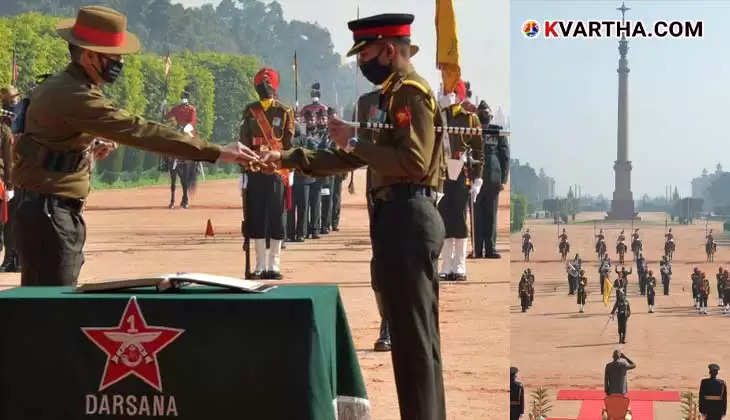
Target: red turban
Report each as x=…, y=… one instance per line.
x=460, y=90
x=267, y=74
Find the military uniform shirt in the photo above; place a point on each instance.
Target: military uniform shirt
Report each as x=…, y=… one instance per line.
x=457, y=116
x=409, y=153
x=67, y=112
x=713, y=397
x=281, y=119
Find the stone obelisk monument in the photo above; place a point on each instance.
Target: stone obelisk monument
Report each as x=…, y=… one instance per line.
x=622, y=206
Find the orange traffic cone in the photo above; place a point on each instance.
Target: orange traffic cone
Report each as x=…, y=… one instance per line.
x=209, y=229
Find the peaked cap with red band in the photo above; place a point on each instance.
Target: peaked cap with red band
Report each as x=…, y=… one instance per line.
x=99, y=29
x=373, y=28
x=267, y=74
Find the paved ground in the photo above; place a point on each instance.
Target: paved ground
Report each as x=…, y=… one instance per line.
x=132, y=233
x=556, y=347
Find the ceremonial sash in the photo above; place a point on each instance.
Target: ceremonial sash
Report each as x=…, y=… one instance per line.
x=273, y=144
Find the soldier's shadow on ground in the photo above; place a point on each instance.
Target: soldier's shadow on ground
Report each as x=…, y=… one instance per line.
x=577, y=346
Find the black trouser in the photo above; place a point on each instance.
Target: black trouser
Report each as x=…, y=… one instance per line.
x=452, y=207
x=665, y=283
x=650, y=297
x=485, y=219
x=8, y=235
x=642, y=283
x=571, y=285
x=182, y=170
x=581, y=298
x=315, y=207
x=703, y=301
x=327, y=204
x=602, y=280
x=524, y=301
x=50, y=239
x=407, y=238
x=336, y=200
x=299, y=212
x=622, y=321
x=726, y=297
x=265, y=206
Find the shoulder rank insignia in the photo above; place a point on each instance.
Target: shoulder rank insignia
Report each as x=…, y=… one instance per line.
x=403, y=117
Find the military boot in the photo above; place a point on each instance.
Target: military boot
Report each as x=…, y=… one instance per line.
x=383, y=342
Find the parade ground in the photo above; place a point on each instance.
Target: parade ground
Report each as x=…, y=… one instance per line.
x=559, y=348
x=132, y=233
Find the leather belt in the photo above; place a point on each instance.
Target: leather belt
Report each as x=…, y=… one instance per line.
x=402, y=192
x=53, y=160
x=73, y=204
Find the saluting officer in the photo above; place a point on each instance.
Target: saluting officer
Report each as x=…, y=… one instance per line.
x=67, y=112
x=713, y=395
x=457, y=191
x=408, y=233
x=267, y=125
x=494, y=175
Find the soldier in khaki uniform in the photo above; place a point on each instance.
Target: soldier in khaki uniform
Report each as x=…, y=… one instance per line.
x=465, y=185
x=53, y=156
x=407, y=169
x=267, y=125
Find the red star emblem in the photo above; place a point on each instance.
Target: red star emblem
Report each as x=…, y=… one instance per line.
x=131, y=347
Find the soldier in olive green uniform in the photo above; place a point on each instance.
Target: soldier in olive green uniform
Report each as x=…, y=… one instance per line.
x=407, y=169
x=495, y=175
x=457, y=191
x=53, y=156
x=267, y=125
x=368, y=111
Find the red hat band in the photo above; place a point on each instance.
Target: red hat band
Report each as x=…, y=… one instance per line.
x=98, y=36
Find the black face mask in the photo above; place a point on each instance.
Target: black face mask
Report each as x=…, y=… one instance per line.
x=375, y=72
x=265, y=91
x=112, y=71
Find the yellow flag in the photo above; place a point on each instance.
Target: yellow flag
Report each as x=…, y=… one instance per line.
x=447, y=44
x=607, y=288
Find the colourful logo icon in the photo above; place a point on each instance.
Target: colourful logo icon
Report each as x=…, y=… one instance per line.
x=530, y=28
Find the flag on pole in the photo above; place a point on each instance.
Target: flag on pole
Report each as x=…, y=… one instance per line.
x=296, y=82
x=168, y=65
x=447, y=44
x=607, y=289
x=14, y=70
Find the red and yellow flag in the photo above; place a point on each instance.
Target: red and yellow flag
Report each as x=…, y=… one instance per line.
x=447, y=44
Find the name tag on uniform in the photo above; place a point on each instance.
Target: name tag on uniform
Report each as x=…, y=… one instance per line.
x=276, y=122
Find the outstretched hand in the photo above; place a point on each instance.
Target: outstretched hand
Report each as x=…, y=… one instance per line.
x=237, y=153
x=340, y=132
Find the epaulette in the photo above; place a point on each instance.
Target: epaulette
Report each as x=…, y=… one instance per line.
x=418, y=86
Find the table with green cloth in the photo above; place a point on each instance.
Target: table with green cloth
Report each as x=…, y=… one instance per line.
x=199, y=353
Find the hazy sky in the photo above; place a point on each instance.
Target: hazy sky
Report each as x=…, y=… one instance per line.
x=483, y=36
x=564, y=108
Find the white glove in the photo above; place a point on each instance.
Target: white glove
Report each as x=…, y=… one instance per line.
x=291, y=178
x=447, y=100
x=9, y=194
x=242, y=182
x=325, y=191
x=476, y=186
x=439, y=196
